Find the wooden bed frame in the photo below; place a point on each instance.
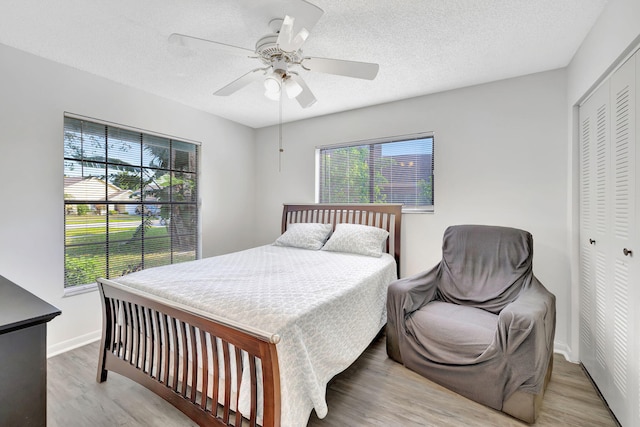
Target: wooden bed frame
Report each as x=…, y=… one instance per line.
x=168, y=347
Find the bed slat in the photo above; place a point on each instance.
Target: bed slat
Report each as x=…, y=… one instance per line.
x=165, y=349
x=216, y=372
x=194, y=364
x=227, y=382
x=254, y=391
x=205, y=369
x=173, y=350
x=152, y=366
x=138, y=326
x=142, y=362
x=238, y=353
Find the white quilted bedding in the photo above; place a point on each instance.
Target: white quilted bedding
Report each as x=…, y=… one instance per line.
x=326, y=307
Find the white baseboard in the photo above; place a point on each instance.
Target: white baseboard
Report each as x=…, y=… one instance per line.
x=76, y=342
x=564, y=350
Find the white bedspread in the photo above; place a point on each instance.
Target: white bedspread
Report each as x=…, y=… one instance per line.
x=326, y=307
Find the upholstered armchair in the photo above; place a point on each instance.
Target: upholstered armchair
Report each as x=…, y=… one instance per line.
x=479, y=323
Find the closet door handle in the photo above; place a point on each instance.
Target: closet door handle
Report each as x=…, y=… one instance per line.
x=592, y=242
x=627, y=252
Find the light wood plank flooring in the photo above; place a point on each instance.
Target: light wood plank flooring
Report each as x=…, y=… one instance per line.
x=374, y=391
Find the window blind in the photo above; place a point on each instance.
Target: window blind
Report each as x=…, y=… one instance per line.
x=130, y=201
x=394, y=170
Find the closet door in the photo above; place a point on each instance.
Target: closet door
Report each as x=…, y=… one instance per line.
x=609, y=236
x=594, y=231
x=622, y=392
x=634, y=262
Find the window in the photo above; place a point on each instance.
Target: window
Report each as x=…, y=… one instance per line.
x=390, y=170
x=130, y=201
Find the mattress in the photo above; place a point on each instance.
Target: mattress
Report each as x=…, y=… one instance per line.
x=325, y=306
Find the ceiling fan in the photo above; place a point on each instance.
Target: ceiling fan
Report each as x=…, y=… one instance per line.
x=281, y=54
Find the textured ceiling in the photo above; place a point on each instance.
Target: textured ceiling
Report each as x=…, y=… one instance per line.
x=422, y=46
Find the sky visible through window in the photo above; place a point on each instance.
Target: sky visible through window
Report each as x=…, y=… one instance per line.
x=415, y=146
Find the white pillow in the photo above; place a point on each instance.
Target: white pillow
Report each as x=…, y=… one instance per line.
x=305, y=235
x=357, y=239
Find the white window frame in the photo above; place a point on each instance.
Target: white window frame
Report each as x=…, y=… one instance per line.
x=81, y=288
x=383, y=140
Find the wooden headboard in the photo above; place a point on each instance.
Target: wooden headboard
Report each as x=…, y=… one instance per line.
x=382, y=215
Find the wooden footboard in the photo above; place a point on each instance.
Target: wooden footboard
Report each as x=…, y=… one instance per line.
x=196, y=363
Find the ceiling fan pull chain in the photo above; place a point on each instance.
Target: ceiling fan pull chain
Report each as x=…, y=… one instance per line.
x=280, y=149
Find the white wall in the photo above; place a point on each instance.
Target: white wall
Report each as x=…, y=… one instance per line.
x=34, y=94
x=500, y=158
x=614, y=35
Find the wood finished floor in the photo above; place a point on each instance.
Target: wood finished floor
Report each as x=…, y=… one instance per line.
x=374, y=391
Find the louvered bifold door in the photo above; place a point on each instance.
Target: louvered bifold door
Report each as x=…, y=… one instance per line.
x=634, y=263
x=609, y=237
x=594, y=224
x=622, y=392
x=587, y=237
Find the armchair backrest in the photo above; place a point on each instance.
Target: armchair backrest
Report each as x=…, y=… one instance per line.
x=484, y=266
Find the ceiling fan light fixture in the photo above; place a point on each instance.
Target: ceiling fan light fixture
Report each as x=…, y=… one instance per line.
x=272, y=83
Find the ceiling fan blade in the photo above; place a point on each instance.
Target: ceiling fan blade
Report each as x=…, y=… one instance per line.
x=241, y=82
x=305, y=98
x=359, y=70
x=198, y=43
x=301, y=16
x=307, y=15
x=287, y=39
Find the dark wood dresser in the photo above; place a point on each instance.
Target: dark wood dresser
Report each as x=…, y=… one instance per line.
x=23, y=356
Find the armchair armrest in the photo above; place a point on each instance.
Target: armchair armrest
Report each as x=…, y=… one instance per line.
x=404, y=296
x=415, y=291
x=526, y=329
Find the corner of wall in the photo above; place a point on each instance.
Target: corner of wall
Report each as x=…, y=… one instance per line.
x=565, y=350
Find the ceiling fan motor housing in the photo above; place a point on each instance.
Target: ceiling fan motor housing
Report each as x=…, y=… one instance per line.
x=269, y=52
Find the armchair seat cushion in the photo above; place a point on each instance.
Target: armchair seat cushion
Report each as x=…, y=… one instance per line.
x=451, y=333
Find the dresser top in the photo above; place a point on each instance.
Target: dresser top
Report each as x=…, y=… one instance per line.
x=20, y=308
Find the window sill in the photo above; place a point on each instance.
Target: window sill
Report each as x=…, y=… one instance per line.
x=81, y=289
x=418, y=211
